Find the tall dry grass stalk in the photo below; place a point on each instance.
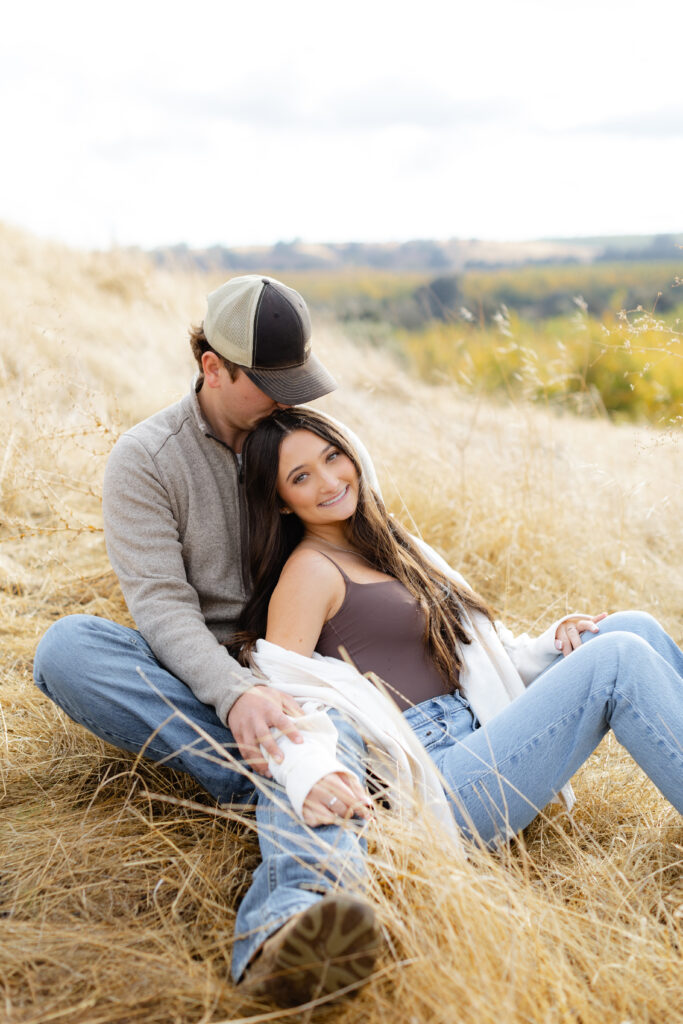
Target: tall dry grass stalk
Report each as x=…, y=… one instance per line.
x=119, y=880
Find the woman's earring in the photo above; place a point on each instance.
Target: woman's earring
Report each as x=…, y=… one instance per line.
x=285, y=511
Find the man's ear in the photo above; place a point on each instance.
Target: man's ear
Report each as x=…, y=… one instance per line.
x=211, y=365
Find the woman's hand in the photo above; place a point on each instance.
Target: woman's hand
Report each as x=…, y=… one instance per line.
x=568, y=635
x=337, y=795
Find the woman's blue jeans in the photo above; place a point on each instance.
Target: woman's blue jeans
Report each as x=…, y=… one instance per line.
x=628, y=677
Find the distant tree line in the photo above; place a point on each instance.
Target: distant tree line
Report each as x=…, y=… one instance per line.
x=442, y=257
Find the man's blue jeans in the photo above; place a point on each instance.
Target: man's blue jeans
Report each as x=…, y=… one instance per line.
x=298, y=864
x=89, y=667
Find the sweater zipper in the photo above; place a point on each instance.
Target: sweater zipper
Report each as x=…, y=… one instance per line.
x=244, y=524
x=242, y=507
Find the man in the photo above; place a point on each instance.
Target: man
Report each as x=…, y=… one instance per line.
x=175, y=523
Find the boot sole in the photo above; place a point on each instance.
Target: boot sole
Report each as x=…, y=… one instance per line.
x=330, y=946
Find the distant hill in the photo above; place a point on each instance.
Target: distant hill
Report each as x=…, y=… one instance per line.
x=421, y=254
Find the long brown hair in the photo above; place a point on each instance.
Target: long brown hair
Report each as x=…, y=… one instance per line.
x=370, y=531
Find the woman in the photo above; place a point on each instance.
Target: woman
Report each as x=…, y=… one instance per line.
x=318, y=535
x=334, y=575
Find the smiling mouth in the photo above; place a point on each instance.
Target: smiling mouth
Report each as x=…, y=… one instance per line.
x=333, y=501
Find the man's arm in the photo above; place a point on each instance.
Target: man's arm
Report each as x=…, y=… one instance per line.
x=145, y=551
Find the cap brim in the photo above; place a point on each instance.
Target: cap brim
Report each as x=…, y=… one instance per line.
x=295, y=385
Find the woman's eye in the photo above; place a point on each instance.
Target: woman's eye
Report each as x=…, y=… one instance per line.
x=299, y=478
x=332, y=455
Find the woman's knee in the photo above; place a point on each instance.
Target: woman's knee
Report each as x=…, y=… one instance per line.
x=626, y=658
x=607, y=656
x=620, y=643
x=639, y=623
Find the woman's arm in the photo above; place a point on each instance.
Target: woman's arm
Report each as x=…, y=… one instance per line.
x=531, y=655
x=568, y=633
x=310, y=590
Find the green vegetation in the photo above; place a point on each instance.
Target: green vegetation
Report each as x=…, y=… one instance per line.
x=539, y=292
x=601, y=337
x=630, y=367
x=535, y=290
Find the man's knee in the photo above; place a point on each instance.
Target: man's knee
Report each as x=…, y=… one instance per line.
x=61, y=651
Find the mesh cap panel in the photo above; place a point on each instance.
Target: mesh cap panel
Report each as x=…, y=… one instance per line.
x=234, y=324
x=229, y=322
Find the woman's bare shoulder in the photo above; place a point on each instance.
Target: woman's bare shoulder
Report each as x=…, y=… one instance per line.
x=307, y=563
x=310, y=590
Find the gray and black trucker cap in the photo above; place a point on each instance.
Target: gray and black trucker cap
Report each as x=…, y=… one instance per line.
x=264, y=327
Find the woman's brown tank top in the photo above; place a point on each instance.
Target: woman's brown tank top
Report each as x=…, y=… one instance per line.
x=380, y=626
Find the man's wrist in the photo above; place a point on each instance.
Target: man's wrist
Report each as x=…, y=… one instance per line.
x=236, y=692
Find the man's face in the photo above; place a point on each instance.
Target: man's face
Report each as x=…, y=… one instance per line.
x=246, y=405
x=232, y=407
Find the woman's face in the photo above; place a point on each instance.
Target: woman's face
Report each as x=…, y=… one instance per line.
x=316, y=480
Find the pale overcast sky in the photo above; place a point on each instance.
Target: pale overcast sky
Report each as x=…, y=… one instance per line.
x=155, y=122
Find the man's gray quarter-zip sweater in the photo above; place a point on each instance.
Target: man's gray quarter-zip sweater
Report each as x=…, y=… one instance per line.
x=175, y=527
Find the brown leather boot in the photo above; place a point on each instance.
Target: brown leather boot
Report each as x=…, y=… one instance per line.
x=332, y=944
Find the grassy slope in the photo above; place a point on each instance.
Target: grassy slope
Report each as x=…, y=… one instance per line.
x=118, y=905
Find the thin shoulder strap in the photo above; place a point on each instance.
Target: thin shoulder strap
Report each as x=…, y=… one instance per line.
x=336, y=564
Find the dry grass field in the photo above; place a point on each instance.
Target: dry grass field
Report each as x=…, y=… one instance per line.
x=119, y=881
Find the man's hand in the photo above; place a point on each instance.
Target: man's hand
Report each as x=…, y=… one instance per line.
x=568, y=635
x=251, y=718
x=337, y=795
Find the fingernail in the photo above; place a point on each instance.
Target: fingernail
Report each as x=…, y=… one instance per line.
x=558, y=645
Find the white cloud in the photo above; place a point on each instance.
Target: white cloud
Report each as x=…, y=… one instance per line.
x=663, y=123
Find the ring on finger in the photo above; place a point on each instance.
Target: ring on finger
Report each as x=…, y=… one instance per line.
x=333, y=801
